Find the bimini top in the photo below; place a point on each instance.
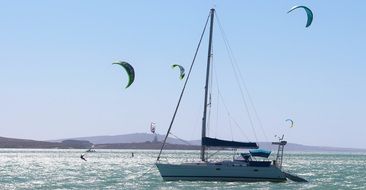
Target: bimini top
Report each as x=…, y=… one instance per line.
x=260, y=153
x=207, y=141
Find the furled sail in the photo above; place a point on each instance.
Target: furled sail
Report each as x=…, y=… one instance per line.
x=207, y=141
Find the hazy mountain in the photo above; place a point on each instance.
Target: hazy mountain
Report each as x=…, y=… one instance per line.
x=134, y=139
x=305, y=148
x=128, y=138
x=147, y=146
x=145, y=141
x=25, y=143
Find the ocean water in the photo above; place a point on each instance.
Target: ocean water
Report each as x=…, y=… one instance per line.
x=116, y=169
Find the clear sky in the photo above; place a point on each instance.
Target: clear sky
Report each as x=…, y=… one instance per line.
x=57, y=80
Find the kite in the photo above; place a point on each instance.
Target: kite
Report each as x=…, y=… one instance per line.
x=129, y=69
x=308, y=12
x=292, y=122
x=181, y=70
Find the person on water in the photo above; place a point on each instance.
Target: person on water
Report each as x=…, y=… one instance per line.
x=82, y=157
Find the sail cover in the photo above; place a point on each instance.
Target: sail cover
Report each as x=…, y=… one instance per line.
x=207, y=141
x=260, y=153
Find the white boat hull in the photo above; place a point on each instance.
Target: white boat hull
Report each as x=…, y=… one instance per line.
x=219, y=172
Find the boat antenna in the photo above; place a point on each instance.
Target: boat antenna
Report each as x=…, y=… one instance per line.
x=182, y=92
x=204, y=122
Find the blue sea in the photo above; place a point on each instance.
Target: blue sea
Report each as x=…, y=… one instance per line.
x=117, y=169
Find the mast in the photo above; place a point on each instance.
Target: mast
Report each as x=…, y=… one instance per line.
x=204, y=122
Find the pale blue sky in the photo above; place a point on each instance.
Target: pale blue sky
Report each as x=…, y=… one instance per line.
x=57, y=79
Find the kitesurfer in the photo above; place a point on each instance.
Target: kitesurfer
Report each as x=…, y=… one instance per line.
x=82, y=157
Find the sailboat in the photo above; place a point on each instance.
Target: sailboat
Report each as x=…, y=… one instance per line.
x=244, y=168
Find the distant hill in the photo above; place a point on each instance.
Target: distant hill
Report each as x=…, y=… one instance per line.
x=147, y=146
x=305, y=148
x=138, y=140
x=144, y=141
x=25, y=143
x=128, y=138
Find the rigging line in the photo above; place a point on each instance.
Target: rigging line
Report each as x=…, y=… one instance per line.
x=236, y=123
x=218, y=100
x=237, y=79
x=225, y=106
x=217, y=114
x=209, y=116
x=184, y=141
x=184, y=87
x=210, y=93
x=231, y=130
x=249, y=97
x=252, y=104
x=248, y=94
x=243, y=81
x=209, y=156
x=146, y=172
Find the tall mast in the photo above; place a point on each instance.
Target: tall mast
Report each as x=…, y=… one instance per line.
x=204, y=122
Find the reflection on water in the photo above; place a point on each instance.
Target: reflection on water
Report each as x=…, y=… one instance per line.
x=116, y=169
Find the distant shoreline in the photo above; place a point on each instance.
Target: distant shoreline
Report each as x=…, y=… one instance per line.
x=148, y=145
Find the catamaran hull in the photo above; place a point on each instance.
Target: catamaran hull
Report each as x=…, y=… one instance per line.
x=212, y=172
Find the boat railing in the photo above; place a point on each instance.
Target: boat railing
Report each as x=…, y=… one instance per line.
x=279, y=157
